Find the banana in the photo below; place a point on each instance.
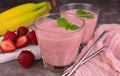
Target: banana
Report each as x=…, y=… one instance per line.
x=21, y=20
x=21, y=9
x=30, y=22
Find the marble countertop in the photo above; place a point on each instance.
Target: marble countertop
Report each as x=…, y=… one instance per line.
x=109, y=13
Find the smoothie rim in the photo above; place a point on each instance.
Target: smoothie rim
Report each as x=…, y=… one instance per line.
x=37, y=19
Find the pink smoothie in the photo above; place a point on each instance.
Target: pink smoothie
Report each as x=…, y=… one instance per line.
x=89, y=27
x=59, y=47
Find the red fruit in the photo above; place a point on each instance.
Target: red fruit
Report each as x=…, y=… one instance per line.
x=21, y=41
x=32, y=37
x=22, y=31
x=26, y=58
x=7, y=46
x=10, y=35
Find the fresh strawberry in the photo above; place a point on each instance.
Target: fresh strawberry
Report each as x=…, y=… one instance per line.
x=21, y=41
x=26, y=58
x=21, y=31
x=10, y=35
x=7, y=46
x=32, y=37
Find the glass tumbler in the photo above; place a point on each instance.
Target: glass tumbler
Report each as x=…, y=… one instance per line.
x=90, y=22
x=59, y=47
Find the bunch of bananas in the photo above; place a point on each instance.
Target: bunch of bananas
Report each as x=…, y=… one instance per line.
x=22, y=15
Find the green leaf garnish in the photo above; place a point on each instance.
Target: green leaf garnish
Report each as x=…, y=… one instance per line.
x=84, y=14
x=62, y=22
x=73, y=27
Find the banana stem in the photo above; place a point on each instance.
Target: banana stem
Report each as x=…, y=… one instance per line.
x=52, y=2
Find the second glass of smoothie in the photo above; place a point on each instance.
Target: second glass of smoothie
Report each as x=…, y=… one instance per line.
x=87, y=11
x=59, y=46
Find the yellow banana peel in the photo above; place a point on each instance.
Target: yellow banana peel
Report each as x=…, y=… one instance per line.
x=21, y=9
x=22, y=20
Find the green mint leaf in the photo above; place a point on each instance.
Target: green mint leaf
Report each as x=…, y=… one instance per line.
x=67, y=26
x=73, y=27
x=80, y=11
x=62, y=22
x=84, y=14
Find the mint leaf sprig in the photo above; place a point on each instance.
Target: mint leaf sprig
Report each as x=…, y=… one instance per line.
x=84, y=14
x=62, y=22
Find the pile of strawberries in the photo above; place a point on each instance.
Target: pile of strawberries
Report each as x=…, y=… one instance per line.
x=11, y=40
x=21, y=38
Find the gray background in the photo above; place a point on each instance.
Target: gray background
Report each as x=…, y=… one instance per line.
x=109, y=13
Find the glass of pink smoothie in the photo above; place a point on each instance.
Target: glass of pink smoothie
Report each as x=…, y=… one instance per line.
x=90, y=23
x=59, y=47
